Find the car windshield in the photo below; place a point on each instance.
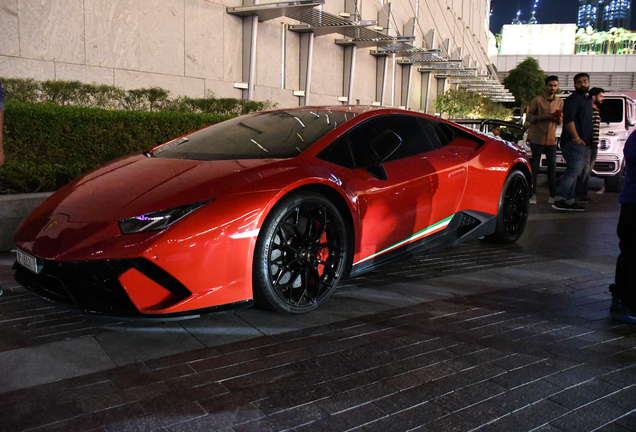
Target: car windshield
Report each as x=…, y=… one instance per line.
x=268, y=135
x=612, y=110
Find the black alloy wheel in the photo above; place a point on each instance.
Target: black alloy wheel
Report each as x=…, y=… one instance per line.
x=300, y=254
x=513, y=209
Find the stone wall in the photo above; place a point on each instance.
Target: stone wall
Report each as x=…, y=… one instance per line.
x=192, y=47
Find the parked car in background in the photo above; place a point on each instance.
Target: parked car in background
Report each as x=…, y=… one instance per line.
x=509, y=131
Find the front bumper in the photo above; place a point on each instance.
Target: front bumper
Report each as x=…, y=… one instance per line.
x=95, y=287
x=605, y=165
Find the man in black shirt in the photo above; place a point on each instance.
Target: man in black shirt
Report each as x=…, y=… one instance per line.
x=575, y=139
x=597, y=97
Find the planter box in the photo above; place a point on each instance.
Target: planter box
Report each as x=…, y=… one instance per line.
x=13, y=210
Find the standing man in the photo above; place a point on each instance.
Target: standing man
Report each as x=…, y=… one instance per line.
x=1, y=123
x=624, y=289
x=575, y=139
x=544, y=114
x=597, y=97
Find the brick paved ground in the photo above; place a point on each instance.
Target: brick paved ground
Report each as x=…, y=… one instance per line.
x=514, y=338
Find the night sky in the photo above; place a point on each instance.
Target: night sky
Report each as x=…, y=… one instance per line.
x=548, y=12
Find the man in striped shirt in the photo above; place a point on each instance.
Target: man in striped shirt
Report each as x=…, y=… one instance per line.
x=597, y=97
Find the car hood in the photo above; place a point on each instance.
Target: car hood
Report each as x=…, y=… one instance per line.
x=137, y=184
x=612, y=129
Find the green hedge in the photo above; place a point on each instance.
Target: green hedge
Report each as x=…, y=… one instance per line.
x=110, y=97
x=48, y=145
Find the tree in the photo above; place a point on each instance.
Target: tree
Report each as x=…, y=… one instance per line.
x=457, y=102
x=468, y=104
x=525, y=82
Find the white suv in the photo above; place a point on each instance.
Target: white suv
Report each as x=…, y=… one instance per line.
x=618, y=120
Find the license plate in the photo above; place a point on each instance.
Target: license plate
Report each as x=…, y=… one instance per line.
x=28, y=261
x=560, y=159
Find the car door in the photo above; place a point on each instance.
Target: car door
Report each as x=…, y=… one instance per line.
x=423, y=186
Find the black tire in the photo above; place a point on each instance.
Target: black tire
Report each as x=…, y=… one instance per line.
x=300, y=254
x=513, y=209
x=615, y=183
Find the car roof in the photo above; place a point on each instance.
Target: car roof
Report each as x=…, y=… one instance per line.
x=356, y=109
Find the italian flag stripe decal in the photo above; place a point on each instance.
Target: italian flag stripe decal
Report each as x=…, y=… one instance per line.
x=425, y=232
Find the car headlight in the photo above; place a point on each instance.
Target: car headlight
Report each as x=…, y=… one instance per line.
x=604, y=144
x=158, y=220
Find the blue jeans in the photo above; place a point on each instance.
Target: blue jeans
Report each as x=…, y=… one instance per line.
x=584, y=179
x=550, y=156
x=575, y=157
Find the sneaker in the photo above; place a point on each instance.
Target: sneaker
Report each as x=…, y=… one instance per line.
x=616, y=305
x=560, y=205
x=551, y=200
x=576, y=207
x=533, y=199
x=626, y=315
x=563, y=206
x=585, y=200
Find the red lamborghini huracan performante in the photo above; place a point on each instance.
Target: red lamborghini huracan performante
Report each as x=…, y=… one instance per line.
x=272, y=208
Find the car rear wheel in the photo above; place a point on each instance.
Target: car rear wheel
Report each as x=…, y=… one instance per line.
x=513, y=209
x=300, y=254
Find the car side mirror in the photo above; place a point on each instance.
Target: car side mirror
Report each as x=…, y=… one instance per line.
x=631, y=122
x=383, y=146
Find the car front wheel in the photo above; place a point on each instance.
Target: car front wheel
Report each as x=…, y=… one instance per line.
x=300, y=254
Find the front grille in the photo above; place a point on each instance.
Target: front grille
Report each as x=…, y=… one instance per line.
x=605, y=166
x=93, y=286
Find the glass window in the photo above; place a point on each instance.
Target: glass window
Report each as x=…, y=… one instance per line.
x=612, y=110
x=353, y=148
x=269, y=135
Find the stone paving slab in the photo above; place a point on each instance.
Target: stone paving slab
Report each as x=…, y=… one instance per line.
x=27, y=367
x=428, y=366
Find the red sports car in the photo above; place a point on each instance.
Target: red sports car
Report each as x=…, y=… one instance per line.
x=272, y=208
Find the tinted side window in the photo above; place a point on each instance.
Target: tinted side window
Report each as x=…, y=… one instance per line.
x=353, y=149
x=338, y=152
x=449, y=134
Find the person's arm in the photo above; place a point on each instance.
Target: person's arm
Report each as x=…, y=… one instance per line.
x=560, y=109
x=571, y=128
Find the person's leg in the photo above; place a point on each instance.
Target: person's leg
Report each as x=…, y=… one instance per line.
x=625, y=286
x=550, y=155
x=581, y=185
x=575, y=159
x=535, y=162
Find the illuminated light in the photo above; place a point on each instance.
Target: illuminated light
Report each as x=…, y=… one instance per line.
x=298, y=120
x=262, y=148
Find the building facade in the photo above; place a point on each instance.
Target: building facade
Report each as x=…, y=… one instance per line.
x=282, y=52
x=604, y=14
